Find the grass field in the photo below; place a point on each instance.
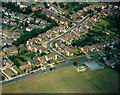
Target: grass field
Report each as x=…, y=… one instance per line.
x=79, y=58
x=68, y=80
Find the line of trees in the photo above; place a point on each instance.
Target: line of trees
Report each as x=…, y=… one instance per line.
x=16, y=8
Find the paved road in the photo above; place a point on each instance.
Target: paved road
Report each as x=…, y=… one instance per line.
x=53, y=50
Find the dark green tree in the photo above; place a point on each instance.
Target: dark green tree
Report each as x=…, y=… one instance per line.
x=75, y=63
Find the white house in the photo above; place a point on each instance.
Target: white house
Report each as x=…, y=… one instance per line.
x=28, y=29
x=56, y=45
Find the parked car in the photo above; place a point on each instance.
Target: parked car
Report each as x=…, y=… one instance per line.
x=78, y=62
x=31, y=72
x=43, y=71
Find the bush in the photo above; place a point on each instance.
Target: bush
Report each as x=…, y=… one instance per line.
x=75, y=63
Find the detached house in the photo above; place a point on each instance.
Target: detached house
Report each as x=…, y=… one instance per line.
x=28, y=28
x=24, y=67
x=69, y=51
x=13, y=49
x=52, y=56
x=85, y=49
x=33, y=62
x=41, y=59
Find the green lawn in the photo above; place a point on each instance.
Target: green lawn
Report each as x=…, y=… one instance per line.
x=78, y=58
x=44, y=64
x=62, y=62
x=47, y=66
x=94, y=52
x=67, y=80
x=95, y=55
x=59, y=59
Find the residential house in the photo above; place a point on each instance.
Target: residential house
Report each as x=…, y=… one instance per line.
x=23, y=4
x=52, y=56
x=28, y=28
x=13, y=49
x=21, y=16
x=24, y=67
x=85, y=49
x=6, y=41
x=42, y=59
x=69, y=51
x=33, y=61
x=65, y=12
x=9, y=63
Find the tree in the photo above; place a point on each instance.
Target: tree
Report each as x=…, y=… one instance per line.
x=43, y=54
x=26, y=23
x=61, y=5
x=45, y=4
x=55, y=3
x=19, y=73
x=36, y=67
x=71, y=24
x=67, y=6
x=3, y=78
x=28, y=10
x=21, y=24
x=51, y=69
x=75, y=63
x=32, y=67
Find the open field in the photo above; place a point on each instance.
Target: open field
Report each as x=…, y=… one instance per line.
x=78, y=58
x=68, y=80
